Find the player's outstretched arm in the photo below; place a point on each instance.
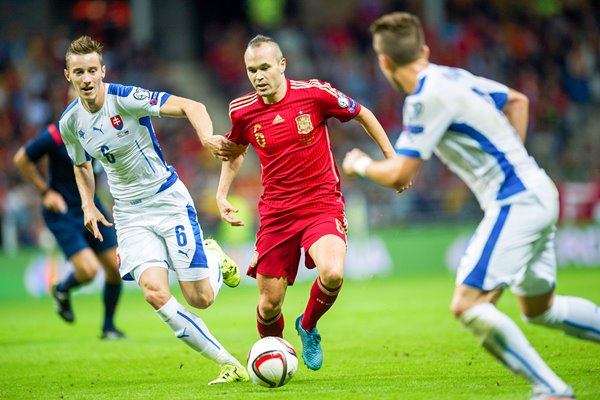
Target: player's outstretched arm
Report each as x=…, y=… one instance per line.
x=397, y=172
x=197, y=114
x=371, y=125
x=229, y=170
x=516, y=110
x=51, y=199
x=84, y=176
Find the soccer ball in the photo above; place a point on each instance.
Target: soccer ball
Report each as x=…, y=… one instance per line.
x=272, y=362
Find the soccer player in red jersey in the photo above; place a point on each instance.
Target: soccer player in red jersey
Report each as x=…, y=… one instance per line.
x=302, y=204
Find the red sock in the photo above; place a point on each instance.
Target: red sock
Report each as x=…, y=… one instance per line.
x=269, y=327
x=321, y=299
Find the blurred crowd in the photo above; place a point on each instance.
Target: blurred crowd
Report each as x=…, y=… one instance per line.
x=547, y=49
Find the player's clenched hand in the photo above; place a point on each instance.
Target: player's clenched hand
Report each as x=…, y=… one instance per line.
x=350, y=160
x=222, y=148
x=54, y=202
x=228, y=213
x=91, y=218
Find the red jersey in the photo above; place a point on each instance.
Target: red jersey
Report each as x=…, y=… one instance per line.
x=291, y=139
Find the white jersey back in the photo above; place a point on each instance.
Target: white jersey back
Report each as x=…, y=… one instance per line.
x=120, y=135
x=458, y=116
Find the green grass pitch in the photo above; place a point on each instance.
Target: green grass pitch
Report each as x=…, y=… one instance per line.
x=384, y=339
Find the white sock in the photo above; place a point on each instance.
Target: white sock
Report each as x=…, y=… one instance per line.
x=215, y=276
x=573, y=315
x=193, y=331
x=505, y=341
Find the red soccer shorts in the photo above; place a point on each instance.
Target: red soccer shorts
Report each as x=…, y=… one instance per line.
x=279, y=240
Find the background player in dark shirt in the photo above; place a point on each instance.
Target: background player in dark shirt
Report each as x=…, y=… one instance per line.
x=61, y=209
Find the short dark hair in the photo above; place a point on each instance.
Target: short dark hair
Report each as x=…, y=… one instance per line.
x=398, y=35
x=84, y=45
x=259, y=40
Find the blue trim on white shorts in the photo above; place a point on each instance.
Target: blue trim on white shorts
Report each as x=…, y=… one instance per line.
x=199, y=258
x=477, y=275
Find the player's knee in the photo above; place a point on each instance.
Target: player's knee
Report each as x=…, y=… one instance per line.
x=201, y=300
x=458, y=307
x=114, y=279
x=156, y=297
x=332, y=277
x=548, y=317
x=87, y=272
x=269, y=308
x=112, y=275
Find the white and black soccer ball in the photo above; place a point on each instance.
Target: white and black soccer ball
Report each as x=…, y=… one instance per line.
x=272, y=362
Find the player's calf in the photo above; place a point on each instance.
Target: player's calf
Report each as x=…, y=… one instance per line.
x=573, y=315
x=500, y=336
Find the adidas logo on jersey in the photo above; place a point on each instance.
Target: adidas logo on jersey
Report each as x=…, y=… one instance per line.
x=277, y=119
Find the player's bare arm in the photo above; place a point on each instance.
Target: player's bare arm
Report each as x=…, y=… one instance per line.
x=397, y=172
x=84, y=176
x=51, y=199
x=229, y=170
x=516, y=110
x=374, y=129
x=197, y=114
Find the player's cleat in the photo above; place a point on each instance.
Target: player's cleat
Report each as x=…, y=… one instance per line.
x=544, y=394
x=230, y=270
x=62, y=301
x=312, y=354
x=231, y=373
x=112, y=334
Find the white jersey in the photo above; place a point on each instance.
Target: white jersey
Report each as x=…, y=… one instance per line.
x=458, y=116
x=120, y=135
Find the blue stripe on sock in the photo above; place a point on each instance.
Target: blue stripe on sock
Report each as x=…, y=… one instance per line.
x=504, y=346
x=582, y=327
x=191, y=321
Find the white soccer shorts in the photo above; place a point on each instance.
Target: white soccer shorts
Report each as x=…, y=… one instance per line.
x=163, y=231
x=513, y=245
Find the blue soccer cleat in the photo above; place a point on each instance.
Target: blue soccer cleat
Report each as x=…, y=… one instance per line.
x=312, y=354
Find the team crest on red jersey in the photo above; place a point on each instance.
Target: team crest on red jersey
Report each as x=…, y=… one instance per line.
x=117, y=122
x=304, y=124
x=259, y=136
